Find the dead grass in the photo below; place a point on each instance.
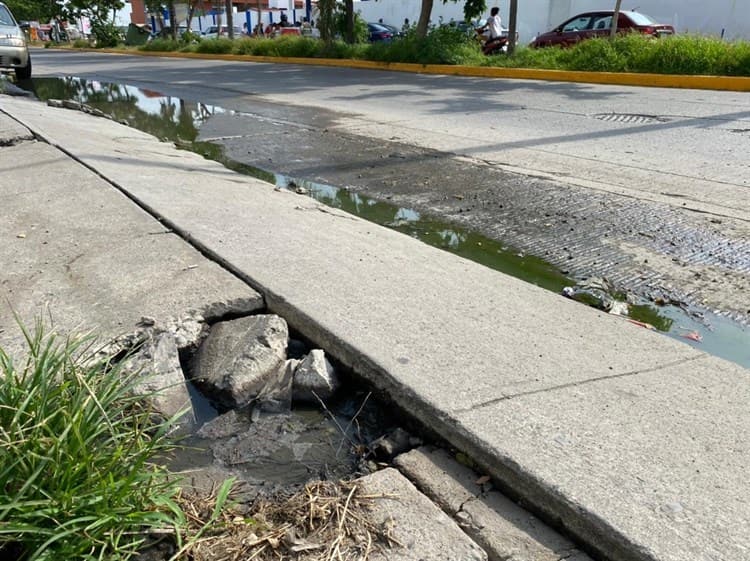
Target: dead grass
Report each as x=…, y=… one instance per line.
x=326, y=521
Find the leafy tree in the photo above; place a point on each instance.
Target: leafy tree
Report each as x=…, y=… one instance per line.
x=102, y=16
x=35, y=10
x=359, y=30
x=327, y=19
x=474, y=8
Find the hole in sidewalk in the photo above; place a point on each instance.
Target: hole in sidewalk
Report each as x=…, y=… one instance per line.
x=333, y=439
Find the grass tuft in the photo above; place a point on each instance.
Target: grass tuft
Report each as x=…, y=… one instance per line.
x=77, y=476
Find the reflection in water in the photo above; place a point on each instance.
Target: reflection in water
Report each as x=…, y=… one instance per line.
x=177, y=120
x=167, y=118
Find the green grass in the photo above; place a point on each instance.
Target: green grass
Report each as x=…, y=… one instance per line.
x=77, y=448
x=682, y=54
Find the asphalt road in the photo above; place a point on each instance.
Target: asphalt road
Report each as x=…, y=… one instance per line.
x=647, y=186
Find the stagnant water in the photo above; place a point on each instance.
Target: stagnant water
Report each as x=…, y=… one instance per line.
x=177, y=120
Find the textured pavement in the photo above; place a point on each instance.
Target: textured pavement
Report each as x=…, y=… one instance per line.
x=635, y=443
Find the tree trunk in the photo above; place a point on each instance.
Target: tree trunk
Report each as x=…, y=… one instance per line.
x=190, y=14
x=424, y=18
x=326, y=24
x=230, y=19
x=259, y=25
x=615, y=17
x=349, y=15
x=172, y=19
x=512, y=26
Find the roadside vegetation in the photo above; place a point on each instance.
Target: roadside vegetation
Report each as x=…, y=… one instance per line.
x=82, y=477
x=77, y=448
x=684, y=54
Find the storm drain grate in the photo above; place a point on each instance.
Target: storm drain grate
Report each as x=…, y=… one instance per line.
x=630, y=118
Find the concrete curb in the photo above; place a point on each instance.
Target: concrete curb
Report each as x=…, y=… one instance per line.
x=720, y=83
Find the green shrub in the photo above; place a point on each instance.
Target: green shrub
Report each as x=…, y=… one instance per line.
x=161, y=45
x=76, y=448
x=595, y=55
x=682, y=54
x=442, y=45
x=106, y=34
x=81, y=44
x=217, y=46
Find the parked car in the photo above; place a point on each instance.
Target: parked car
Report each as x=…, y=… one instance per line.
x=598, y=24
x=377, y=32
x=213, y=32
x=395, y=32
x=14, y=53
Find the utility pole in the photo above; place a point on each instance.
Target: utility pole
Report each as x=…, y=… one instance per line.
x=615, y=17
x=512, y=26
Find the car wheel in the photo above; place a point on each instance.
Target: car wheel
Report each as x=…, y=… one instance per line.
x=24, y=72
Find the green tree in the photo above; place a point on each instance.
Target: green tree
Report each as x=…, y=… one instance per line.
x=327, y=19
x=35, y=10
x=102, y=16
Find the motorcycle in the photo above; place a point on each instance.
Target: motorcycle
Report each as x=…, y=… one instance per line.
x=496, y=46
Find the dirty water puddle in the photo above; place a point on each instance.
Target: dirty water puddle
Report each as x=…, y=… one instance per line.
x=178, y=120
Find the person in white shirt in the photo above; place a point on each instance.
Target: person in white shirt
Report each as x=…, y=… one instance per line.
x=495, y=28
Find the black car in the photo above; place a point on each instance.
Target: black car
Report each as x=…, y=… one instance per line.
x=378, y=32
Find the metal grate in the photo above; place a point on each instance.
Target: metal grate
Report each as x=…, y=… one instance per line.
x=630, y=118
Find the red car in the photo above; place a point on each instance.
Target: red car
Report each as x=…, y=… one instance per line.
x=598, y=24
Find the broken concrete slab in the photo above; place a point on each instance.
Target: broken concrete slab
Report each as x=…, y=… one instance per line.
x=239, y=358
x=161, y=381
x=11, y=131
x=424, y=532
x=81, y=256
x=501, y=527
x=315, y=378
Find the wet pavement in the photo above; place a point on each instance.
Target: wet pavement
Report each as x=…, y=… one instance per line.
x=687, y=274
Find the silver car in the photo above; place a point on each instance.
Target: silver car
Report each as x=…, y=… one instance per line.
x=13, y=50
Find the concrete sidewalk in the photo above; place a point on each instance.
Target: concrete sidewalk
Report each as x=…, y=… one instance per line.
x=635, y=443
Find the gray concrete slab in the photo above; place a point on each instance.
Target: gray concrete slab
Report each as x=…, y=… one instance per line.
x=501, y=527
x=420, y=530
x=11, y=132
x=489, y=362
x=79, y=255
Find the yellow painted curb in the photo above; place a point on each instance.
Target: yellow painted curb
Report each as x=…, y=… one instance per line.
x=723, y=83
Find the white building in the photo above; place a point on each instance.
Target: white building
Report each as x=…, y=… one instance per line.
x=730, y=18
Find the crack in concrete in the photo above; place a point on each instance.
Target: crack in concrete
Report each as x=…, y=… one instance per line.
x=578, y=384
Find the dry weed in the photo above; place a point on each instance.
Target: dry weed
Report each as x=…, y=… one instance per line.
x=326, y=521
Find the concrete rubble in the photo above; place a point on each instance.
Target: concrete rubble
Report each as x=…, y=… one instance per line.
x=315, y=378
x=240, y=356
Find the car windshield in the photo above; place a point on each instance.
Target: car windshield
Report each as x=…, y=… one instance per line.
x=376, y=27
x=5, y=17
x=578, y=23
x=640, y=19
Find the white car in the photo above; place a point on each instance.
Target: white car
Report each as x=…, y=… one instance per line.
x=213, y=32
x=14, y=53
